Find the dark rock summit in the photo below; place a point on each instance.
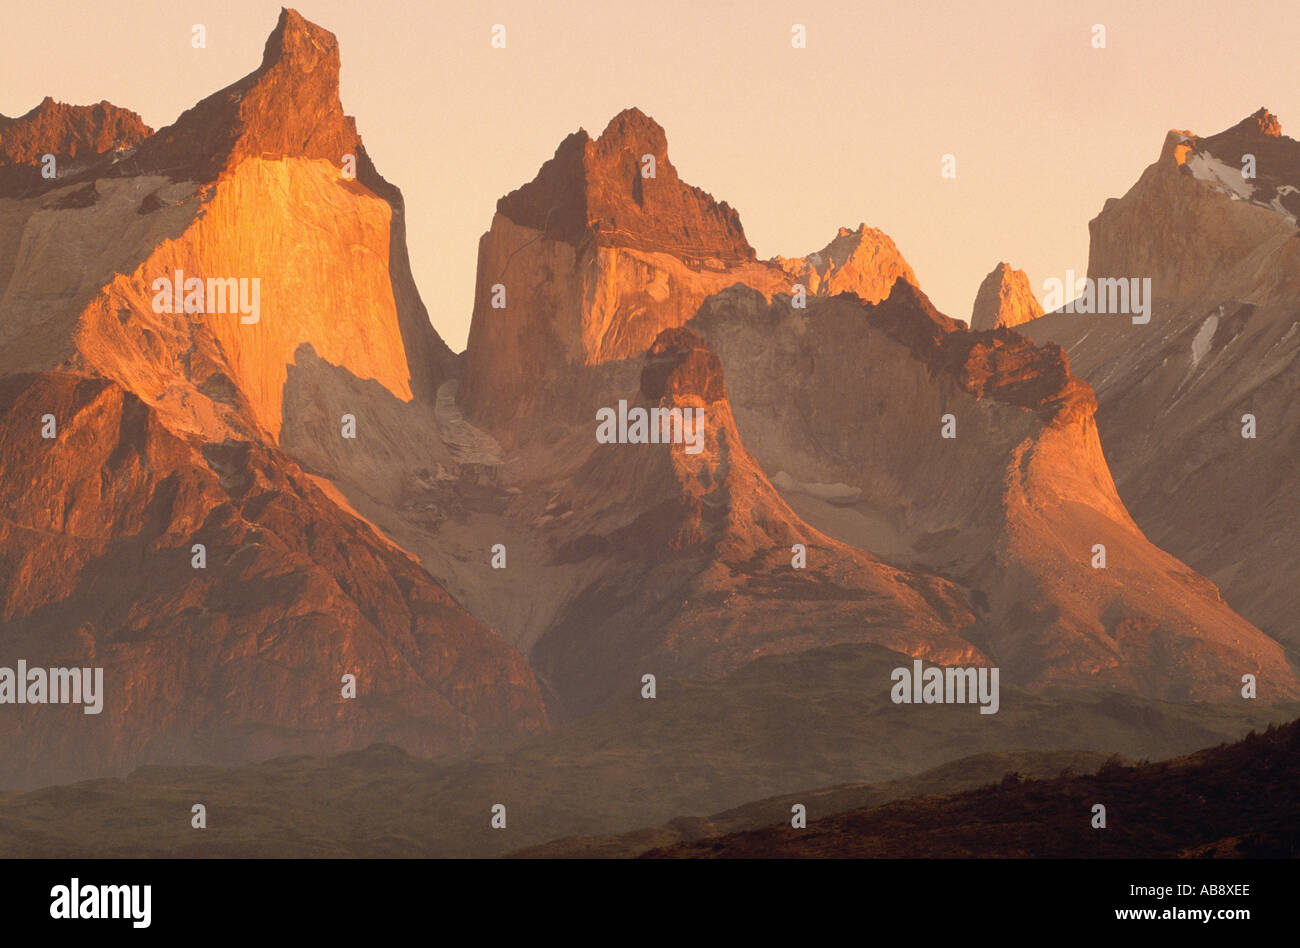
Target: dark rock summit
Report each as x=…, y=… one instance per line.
x=596, y=190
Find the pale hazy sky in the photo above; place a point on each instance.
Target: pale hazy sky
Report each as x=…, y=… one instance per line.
x=801, y=141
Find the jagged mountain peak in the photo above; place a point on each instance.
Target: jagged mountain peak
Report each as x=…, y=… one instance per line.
x=1212, y=216
x=648, y=247
x=865, y=262
x=67, y=131
x=621, y=190
x=633, y=127
x=1262, y=122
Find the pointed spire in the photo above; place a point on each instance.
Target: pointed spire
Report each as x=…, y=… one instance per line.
x=288, y=107
x=1004, y=299
x=300, y=44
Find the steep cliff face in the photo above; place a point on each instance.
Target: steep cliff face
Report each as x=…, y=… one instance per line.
x=1197, y=407
x=171, y=430
x=1004, y=299
x=326, y=251
x=864, y=262
x=1199, y=227
x=1010, y=507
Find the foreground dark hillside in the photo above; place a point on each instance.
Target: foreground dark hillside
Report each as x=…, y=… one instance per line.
x=1235, y=800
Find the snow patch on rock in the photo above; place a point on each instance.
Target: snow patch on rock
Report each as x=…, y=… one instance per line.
x=1204, y=336
x=831, y=493
x=1223, y=177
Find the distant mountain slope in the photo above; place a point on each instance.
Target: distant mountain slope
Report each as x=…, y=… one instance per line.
x=1011, y=509
x=864, y=262
x=1223, y=343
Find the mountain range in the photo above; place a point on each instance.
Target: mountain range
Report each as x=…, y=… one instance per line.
x=239, y=466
